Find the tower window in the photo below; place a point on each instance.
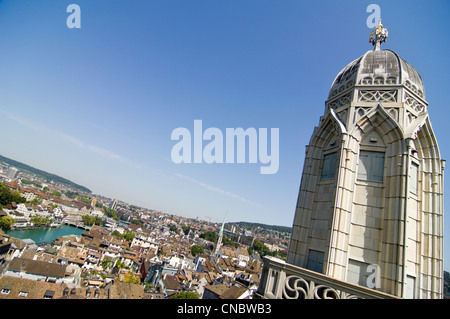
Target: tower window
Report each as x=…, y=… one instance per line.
x=357, y=272
x=371, y=166
x=413, y=178
x=315, y=261
x=329, y=166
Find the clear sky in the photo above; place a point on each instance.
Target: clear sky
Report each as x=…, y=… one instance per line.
x=98, y=104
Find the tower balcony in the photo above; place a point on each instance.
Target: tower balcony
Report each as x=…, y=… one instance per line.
x=281, y=280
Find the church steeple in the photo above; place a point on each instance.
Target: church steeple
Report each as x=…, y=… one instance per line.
x=219, y=239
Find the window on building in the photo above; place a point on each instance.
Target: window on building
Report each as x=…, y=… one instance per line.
x=357, y=272
x=23, y=294
x=49, y=294
x=315, y=261
x=329, y=166
x=410, y=284
x=371, y=166
x=413, y=178
x=5, y=291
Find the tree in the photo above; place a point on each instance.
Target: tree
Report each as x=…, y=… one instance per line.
x=52, y=207
x=185, y=295
x=173, y=228
x=6, y=222
x=228, y=242
x=110, y=213
x=89, y=220
x=197, y=250
x=209, y=236
x=136, y=222
x=107, y=263
x=186, y=229
x=116, y=233
x=131, y=279
x=71, y=194
x=40, y=220
x=56, y=193
x=7, y=196
x=262, y=249
x=36, y=201
x=128, y=236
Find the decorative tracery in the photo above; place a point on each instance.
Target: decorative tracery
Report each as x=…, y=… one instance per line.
x=296, y=287
x=378, y=95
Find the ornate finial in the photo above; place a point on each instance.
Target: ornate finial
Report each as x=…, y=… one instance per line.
x=378, y=35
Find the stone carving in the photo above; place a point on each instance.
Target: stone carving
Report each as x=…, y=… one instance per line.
x=377, y=96
x=296, y=287
x=414, y=88
x=341, y=101
x=413, y=103
x=378, y=80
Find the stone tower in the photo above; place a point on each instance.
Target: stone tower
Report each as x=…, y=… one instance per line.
x=370, y=205
x=218, y=244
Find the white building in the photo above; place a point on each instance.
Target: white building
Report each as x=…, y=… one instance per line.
x=12, y=172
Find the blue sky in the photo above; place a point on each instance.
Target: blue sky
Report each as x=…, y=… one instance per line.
x=98, y=104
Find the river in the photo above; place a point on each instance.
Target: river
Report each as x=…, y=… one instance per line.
x=45, y=235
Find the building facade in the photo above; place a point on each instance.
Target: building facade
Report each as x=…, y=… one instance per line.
x=370, y=204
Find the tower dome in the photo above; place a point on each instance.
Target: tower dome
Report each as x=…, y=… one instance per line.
x=377, y=76
x=378, y=68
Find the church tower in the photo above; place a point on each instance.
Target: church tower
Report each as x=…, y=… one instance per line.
x=218, y=245
x=370, y=204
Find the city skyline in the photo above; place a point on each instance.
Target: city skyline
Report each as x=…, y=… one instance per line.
x=97, y=105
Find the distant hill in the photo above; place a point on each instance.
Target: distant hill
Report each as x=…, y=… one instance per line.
x=253, y=226
x=48, y=177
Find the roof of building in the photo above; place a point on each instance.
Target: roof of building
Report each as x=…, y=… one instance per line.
x=378, y=67
x=37, y=267
x=171, y=282
x=233, y=292
x=217, y=289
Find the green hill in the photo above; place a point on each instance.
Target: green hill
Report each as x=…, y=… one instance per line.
x=255, y=226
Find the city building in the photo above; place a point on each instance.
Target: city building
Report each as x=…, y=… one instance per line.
x=12, y=172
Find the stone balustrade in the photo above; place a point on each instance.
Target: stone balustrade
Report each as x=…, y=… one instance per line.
x=281, y=280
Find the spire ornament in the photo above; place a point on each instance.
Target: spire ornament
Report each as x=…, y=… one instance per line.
x=378, y=35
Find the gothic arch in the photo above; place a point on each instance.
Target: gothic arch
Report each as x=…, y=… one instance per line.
x=378, y=120
x=327, y=137
x=421, y=132
x=330, y=128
